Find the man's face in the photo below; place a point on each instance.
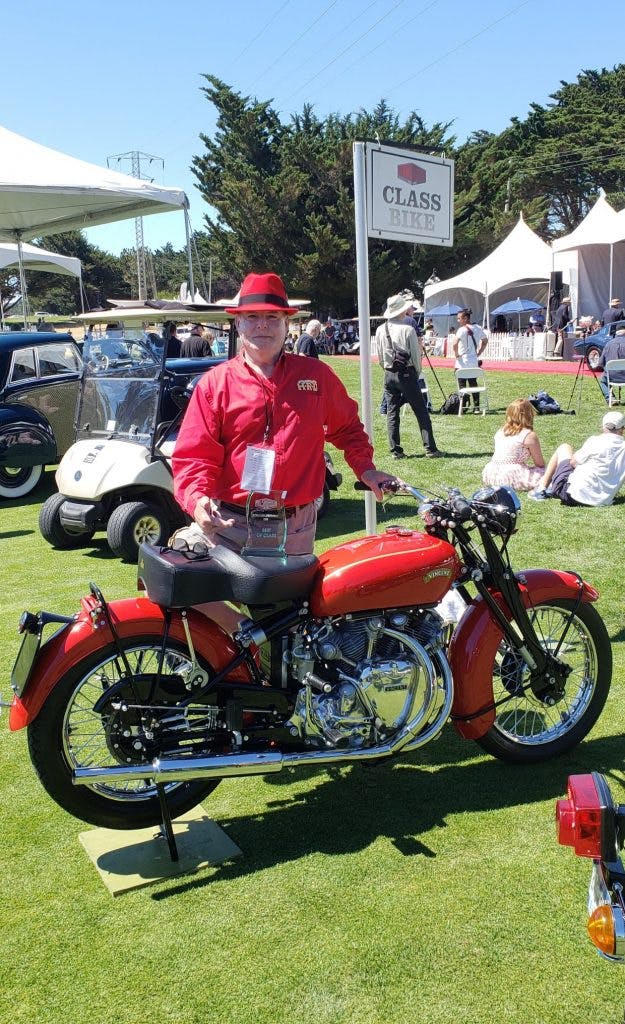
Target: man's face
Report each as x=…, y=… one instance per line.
x=462, y=319
x=262, y=333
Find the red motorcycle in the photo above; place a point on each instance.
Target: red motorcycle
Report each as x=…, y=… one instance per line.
x=344, y=658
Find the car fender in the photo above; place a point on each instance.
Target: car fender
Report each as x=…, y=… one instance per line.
x=90, y=470
x=26, y=437
x=89, y=632
x=475, y=642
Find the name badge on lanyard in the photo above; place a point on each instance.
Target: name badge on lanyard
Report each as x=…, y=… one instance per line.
x=258, y=469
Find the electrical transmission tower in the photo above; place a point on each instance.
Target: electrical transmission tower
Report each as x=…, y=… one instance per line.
x=135, y=157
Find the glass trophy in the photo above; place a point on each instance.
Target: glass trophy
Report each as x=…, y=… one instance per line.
x=266, y=524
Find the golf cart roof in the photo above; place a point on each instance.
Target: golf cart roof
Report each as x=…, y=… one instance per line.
x=149, y=314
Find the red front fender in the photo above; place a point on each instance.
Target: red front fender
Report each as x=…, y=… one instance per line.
x=476, y=639
x=131, y=617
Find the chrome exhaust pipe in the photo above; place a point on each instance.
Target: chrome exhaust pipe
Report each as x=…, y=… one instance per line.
x=233, y=765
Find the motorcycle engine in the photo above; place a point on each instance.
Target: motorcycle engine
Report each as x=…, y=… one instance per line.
x=362, y=679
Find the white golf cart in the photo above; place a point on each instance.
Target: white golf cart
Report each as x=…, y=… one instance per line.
x=117, y=475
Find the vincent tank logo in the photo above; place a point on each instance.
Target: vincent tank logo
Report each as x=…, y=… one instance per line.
x=433, y=573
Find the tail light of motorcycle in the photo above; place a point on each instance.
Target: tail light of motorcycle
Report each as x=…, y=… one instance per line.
x=587, y=819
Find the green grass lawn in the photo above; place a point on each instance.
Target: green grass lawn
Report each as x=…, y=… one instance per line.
x=427, y=891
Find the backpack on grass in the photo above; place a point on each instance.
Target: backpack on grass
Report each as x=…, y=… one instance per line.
x=451, y=405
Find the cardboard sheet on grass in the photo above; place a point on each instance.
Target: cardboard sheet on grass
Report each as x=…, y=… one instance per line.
x=129, y=860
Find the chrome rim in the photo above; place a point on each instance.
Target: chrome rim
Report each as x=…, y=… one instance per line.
x=147, y=529
x=525, y=719
x=84, y=739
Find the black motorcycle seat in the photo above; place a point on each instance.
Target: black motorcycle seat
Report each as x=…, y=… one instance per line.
x=173, y=579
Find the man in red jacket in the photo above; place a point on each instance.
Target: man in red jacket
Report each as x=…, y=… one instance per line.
x=259, y=422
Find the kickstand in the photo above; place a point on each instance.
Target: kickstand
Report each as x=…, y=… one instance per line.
x=166, y=828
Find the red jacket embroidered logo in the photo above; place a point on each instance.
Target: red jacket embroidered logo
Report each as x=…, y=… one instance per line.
x=307, y=385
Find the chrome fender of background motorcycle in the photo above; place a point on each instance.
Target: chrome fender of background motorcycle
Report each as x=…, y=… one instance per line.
x=476, y=639
x=131, y=617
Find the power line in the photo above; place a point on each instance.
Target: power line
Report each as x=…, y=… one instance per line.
x=293, y=44
x=460, y=45
x=271, y=21
x=351, y=46
x=386, y=40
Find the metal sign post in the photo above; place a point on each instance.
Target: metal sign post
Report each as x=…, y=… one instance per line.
x=362, y=276
x=405, y=196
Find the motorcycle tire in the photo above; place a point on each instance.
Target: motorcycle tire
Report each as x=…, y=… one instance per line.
x=68, y=733
x=526, y=729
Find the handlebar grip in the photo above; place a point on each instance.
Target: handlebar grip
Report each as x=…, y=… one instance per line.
x=461, y=508
x=385, y=485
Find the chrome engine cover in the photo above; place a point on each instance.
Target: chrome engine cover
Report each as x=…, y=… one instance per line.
x=344, y=702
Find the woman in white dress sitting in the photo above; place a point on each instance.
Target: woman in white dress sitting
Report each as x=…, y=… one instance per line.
x=517, y=460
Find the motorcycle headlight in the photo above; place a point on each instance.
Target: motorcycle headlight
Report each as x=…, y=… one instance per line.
x=500, y=507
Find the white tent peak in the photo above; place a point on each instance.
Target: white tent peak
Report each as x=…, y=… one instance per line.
x=522, y=258
x=595, y=229
x=43, y=191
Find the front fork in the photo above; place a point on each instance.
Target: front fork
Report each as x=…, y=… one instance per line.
x=547, y=673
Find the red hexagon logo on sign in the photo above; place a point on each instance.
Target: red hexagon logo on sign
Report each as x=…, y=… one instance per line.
x=411, y=173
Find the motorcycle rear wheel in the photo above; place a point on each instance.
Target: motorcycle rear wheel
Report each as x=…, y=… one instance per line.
x=68, y=734
x=526, y=730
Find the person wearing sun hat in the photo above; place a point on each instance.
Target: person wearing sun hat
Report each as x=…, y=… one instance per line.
x=397, y=343
x=591, y=476
x=268, y=414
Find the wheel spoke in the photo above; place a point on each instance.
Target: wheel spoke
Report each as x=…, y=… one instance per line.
x=84, y=736
x=523, y=717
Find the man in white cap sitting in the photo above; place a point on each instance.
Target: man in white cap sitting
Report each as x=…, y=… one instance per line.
x=591, y=476
x=399, y=353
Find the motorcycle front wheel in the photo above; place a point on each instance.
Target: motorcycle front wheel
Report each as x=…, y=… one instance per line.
x=68, y=733
x=528, y=729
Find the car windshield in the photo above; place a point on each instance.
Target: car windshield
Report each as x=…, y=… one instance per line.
x=120, y=391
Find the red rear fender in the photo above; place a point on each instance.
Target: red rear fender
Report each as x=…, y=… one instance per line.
x=132, y=617
x=476, y=639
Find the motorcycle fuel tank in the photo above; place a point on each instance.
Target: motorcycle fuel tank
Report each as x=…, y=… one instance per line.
x=398, y=568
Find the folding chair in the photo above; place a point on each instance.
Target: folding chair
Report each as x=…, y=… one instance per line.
x=464, y=390
x=614, y=367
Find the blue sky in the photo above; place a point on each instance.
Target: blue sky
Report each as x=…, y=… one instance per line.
x=99, y=79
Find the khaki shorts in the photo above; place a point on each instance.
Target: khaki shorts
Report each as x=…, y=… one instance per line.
x=300, y=537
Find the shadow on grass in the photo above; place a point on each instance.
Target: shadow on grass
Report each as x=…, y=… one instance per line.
x=9, y=534
x=352, y=807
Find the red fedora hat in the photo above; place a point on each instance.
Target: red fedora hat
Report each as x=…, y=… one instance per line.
x=262, y=293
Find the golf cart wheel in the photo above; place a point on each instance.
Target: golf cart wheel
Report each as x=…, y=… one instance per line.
x=17, y=483
x=593, y=355
x=52, y=529
x=135, y=523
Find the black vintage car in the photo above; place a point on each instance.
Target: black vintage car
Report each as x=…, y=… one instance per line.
x=39, y=381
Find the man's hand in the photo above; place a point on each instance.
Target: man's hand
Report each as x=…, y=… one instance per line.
x=208, y=518
x=373, y=478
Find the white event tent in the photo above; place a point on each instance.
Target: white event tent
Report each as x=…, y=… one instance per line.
x=43, y=191
x=518, y=268
x=595, y=254
x=34, y=258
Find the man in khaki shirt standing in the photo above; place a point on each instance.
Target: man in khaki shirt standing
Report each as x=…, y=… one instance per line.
x=399, y=353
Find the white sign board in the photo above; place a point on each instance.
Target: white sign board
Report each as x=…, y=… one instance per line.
x=410, y=196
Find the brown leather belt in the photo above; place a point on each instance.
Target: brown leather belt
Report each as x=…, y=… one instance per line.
x=240, y=509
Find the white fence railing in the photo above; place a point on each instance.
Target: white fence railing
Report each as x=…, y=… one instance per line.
x=501, y=347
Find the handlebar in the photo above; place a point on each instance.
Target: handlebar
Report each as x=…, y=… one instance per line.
x=488, y=508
